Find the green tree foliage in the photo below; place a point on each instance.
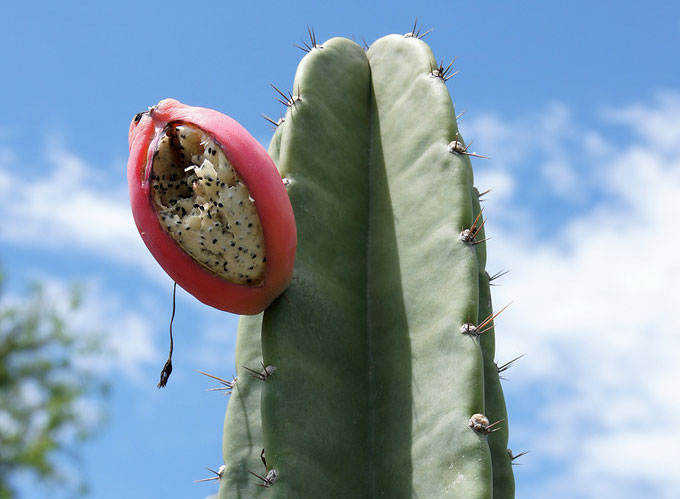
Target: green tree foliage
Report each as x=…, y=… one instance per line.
x=44, y=391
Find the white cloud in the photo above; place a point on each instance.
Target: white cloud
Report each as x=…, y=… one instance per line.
x=593, y=309
x=548, y=138
x=71, y=207
x=126, y=336
x=562, y=179
x=657, y=126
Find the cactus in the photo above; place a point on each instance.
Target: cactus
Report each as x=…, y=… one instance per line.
x=373, y=375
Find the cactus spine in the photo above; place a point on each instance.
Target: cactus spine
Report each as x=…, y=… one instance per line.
x=375, y=382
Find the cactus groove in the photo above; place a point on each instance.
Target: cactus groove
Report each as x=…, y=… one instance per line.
x=374, y=384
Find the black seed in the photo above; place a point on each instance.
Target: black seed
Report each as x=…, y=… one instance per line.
x=214, y=152
x=251, y=268
x=264, y=259
x=238, y=223
x=196, y=205
x=240, y=248
x=250, y=225
x=202, y=208
x=232, y=244
x=214, y=241
x=249, y=280
x=220, y=205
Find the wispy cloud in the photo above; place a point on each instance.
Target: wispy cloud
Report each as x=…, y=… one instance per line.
x=593, y=306
x=69, y=207
x=544, y=151
x=122, y=336
x=656, y=126
x=127, y=335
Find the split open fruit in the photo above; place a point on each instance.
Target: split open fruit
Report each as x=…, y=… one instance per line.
x=211, y=206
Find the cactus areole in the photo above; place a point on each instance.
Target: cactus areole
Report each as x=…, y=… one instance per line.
x=211, y=206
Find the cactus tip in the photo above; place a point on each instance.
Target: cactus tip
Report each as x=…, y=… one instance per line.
x=308, y=47
x=416, y=31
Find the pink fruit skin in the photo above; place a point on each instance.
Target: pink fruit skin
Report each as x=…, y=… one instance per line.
x=258, y=172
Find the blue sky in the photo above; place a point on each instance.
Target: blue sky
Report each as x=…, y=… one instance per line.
x=576, y=103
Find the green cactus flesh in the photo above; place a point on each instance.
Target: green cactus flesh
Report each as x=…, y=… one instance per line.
x=494, y=402
x=242, y=440
x=375, y=379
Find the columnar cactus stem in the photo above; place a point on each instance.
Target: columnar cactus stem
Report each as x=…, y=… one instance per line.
x=494, y=401
x=501, y=461
x=376, y=377
x=429, y=190
x=242, y=437
x=316, y=334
